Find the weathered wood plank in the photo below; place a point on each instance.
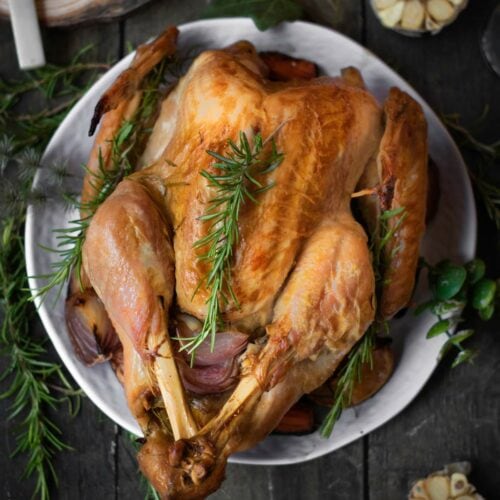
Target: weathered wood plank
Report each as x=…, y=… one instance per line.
x=337, y=476
x=344, y=16
x=447, y=69
x=456, y=416
x=156, y=16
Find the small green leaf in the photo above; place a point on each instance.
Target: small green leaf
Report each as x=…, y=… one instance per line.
x=438, y=328
x=449, y=281
x=467, y=355
x=265, y=13
x=483, y=293
x=487, y=313
x=389, y=214
x=442, y=308
x=462, y=335
x=455, y=341
x=425, y=306
x=445, y=349
x=475, y=270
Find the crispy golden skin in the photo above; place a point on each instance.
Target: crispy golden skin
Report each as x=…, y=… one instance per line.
x=302, y=270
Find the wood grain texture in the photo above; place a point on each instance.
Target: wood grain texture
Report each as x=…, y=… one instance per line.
x=70, y=12
x=156, y=16
x=344, y=16
x=338, y=476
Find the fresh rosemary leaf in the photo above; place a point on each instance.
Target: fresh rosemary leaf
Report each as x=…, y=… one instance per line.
x=265, y=13
x=237, y=172
x=349, y=375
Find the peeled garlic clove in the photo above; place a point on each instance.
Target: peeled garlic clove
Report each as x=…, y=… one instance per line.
x=440, y=10
x=413, y=15
x=457, y=3
x=459, y=484
x=384, y=4
x=418, y=491
x=430, y=24
x=391, y=16
x=438, y=487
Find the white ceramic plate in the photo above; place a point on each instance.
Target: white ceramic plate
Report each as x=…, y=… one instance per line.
x=452, y=234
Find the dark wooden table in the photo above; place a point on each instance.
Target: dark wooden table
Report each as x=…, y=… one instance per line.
x=457, y=414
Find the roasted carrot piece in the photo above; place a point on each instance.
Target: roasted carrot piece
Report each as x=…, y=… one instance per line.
x=283, y=68
x=298, y=419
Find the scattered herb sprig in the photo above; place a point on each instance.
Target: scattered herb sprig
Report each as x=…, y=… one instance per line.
x=57, y=89
x=235, y=183
x=349, y=376
x=454, y=288
x=486, y=158
x=362, y=353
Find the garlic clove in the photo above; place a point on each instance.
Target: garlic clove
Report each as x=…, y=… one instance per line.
x=391, y=16
x=457, y=3
x=466, y=497
x=418, y=491
x=438, y=487
x=459, y=484
x=430, y=24
x=440, y=10
x=384, y=4
x=413, y=15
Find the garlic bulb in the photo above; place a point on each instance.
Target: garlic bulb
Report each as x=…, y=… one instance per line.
x=414, y=17
x=448, y=484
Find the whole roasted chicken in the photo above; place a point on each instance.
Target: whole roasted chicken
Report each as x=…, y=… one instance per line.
x=299, y=290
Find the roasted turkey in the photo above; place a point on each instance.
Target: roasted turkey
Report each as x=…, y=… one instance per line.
x=301, y=271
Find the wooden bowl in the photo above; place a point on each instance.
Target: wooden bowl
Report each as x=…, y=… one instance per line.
x=69, y=12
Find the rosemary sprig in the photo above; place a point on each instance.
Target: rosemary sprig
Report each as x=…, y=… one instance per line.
x=361, y=354
x=126, y=147
x=32, y=381
x=235, y=183
x=350, y=375
x=486, y=156
x=57, y=89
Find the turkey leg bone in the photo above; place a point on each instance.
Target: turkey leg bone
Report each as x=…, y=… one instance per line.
x=129, y=260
